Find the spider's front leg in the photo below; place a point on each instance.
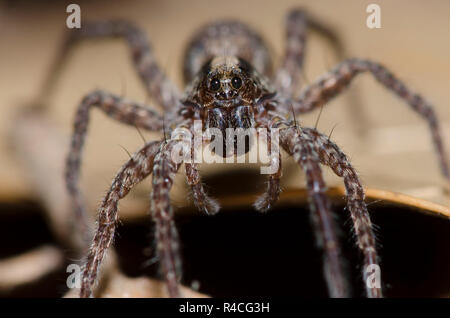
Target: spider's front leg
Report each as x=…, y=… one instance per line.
x=156, y=82
x=332, y=156
x=164, y=171
x=118, y=108
x=332, y=83
x=295, y=143
x=133, y=172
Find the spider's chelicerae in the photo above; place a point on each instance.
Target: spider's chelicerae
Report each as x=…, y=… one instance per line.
x=230, y=85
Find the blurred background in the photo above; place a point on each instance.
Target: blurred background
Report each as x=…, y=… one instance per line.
x=388, y=143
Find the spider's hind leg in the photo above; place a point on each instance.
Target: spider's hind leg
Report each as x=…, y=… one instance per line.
x=156, y=82
x=287, y=77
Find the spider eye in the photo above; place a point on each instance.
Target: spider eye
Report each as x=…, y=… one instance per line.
x=214, y=84
x=236, y=82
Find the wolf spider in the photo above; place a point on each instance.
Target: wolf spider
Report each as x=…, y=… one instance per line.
x=230, y=84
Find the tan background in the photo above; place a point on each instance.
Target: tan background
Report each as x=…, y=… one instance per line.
x=396, y=153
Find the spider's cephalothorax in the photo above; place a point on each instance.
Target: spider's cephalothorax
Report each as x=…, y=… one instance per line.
x=227, y=69
x=226, y=93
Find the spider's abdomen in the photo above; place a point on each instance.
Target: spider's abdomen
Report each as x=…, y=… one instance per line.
x=230, y=38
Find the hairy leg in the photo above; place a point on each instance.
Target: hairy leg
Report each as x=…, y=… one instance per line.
x=133, y=172
x=201, y=199
x=332, y=83
x=288, y=77
x=119, y=109
x=164, y=171
x=297, y=145
x=332, y=156
x=156, y=82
